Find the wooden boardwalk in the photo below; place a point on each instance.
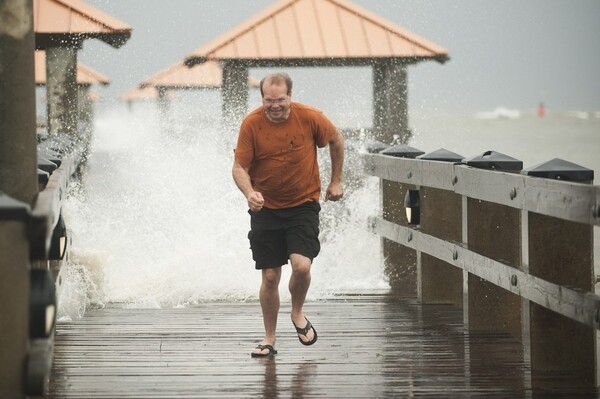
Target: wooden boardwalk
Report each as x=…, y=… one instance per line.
x=369, y=347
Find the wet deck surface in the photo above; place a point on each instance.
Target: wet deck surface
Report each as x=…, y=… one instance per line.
x=368, y=347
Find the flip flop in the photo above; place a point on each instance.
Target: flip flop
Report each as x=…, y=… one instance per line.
x=272, y=352
x=304, y=331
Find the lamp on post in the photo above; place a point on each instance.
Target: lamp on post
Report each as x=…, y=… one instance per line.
x=412, y=204
x=58, y=242
x=42, y=303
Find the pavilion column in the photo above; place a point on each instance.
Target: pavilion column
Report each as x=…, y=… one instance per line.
x=234, y=95
x=163, y=108
x=390, y=118
x=18, y=157
x=61, y=90
x=85, y=104
x=390, y=102
x=85, y=117
x=18, y=179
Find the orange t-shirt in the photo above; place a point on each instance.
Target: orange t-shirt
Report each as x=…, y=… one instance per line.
x=282, y=157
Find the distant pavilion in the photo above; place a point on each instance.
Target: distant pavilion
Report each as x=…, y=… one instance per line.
x=85, y=78
x=60, y=28
x=205, y=76
x=324, y=33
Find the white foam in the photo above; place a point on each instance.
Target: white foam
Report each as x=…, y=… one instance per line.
x=499, y=113
x=159, y=222
x=579, y=114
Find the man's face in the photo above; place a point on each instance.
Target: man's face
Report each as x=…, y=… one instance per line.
x=276, y=101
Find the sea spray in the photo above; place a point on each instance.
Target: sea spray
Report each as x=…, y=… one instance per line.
x=157, y=220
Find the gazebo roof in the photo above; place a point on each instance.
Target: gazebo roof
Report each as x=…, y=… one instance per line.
x=143, y=94
x=85, y=75
x=75, y=20
x=93, y=96
x=204, y=76
x=320, y=31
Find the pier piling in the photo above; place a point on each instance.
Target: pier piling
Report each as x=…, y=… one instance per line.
x=18, y=187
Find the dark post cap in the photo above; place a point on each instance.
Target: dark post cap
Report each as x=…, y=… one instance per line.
x=12, y=209
x=60, y=143
x=493, y=160
x=50, y=155
x=43, y=177
x=402, y=151
x=375, y=146
x=560, y=169
x=45, y=164
x=442, y=155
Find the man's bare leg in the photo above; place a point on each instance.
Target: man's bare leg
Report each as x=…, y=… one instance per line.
x=299, y=284
x=269, y=303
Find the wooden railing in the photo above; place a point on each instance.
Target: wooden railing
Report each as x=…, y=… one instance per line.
x=36, y=249
x=513, y=249
x=49, y=246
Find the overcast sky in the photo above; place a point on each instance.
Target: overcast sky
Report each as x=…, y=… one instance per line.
x=510, y=53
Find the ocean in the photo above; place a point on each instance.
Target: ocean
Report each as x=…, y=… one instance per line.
x=157, y=220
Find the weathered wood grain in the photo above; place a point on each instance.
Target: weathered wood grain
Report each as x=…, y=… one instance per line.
x=368, y=347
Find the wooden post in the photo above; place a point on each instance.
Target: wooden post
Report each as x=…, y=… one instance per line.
x=18, y=157
x=18, y=179
x=441, y=217
x=401, y=263
x=390, y=102
x=14, y=301
x=561, y=252
x=163, y=109
x=493, y=230
x=61, y=90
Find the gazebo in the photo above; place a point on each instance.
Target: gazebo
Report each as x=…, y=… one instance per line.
x=86, y=77
x=325, y=33
x=60, y=28
x=208, y=75
x=205, y=76
x=148, y=93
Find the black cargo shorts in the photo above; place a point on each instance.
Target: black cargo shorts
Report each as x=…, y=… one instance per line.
x=277, y=233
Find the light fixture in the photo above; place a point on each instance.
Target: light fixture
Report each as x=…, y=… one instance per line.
x=58, y=243
x=42, y=303
x=412, y=206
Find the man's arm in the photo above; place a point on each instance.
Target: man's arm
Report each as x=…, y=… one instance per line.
x=244, y=183
x=335, y=191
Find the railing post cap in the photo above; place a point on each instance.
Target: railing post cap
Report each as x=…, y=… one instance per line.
x=560, y=169
x=402, y=151
x=12, y=209
x=60, y=143
x=375, y=146
x=50, y=155
x=43, y=177
x=45, y=164
x=442, y=155
x=494, y=160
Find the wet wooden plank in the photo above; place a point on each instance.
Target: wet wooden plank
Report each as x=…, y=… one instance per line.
x=369, y=346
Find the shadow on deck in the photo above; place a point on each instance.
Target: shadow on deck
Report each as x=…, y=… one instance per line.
x=369, y=347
